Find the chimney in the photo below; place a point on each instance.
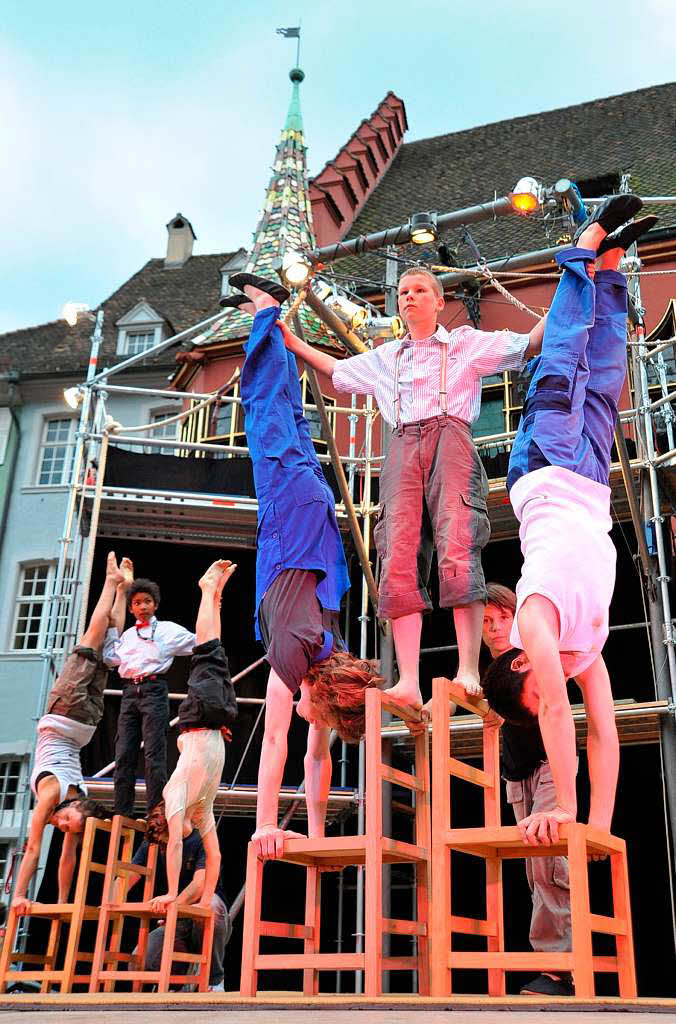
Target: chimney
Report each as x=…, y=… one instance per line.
x=179, y=243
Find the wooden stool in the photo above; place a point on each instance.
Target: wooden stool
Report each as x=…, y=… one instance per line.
x=115, y=910
x=371, y=851
x=43, y=965
x=494, y=843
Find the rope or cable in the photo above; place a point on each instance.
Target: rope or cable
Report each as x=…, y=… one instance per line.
x=116, y=428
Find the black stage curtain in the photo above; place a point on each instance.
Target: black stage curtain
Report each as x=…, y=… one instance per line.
x=232, y=476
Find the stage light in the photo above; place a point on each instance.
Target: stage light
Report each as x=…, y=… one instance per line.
x=384, y=327
x=71, y=310
x=423, y=227
x=73, y=396
x=296, y=269
x=525, y=197
x=351, y=313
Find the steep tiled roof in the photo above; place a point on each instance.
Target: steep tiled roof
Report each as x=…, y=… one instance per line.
x=631, y=133
x=181, y=295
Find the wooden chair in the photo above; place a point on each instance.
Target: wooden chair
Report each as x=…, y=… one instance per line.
x=494, y=843
x=371, y=851
x=115, y=909
x=42, y=966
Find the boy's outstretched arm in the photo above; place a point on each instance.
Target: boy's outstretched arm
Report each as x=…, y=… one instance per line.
x=603, y=747
x=322, y=362
x=539, y=628
x=535, y=338
x=317, y=766
x=212, y=869
x=269, y=837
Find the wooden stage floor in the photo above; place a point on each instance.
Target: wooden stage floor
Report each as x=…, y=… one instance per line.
x=283, y=1008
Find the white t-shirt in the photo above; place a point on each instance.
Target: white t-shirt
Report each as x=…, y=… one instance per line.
x=194, y=782
x=60, y=741
x=568, y=558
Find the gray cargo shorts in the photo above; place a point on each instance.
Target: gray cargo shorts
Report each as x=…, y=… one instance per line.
x=78, y=690
x=433, y=491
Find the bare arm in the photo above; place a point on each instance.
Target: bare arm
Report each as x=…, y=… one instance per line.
x=322, y=362
x=603, y=748
x=268, y=837
x=317, y=765
x=67, y=863
x=174, y=856
x=539, y=629
x=193, y=889
x=213, y=867
x=48, y=798
x=535, y=338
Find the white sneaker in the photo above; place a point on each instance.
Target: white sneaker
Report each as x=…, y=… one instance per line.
x=217, y=988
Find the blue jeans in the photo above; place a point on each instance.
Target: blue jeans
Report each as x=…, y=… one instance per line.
x=571, y=407
x=297, y=526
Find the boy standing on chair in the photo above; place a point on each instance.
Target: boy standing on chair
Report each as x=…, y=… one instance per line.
x=142, y=656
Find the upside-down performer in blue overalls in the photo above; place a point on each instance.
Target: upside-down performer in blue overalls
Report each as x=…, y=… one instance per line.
x=301, y=574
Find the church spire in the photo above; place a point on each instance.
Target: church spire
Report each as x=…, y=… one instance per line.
x=286, y=218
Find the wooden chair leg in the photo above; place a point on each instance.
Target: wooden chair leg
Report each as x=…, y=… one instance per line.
x=248, y=985
x=99, y=948
x=495, y=914
x=583, y=969
x=313, y=899
x=626, y=967
x=164, y=977
x=51, y=952
x=440, y=912
x=207, y=945
x=422, y=874
x=8, y=947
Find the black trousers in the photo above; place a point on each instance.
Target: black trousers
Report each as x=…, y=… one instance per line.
x=210, y=702
x=144, y=714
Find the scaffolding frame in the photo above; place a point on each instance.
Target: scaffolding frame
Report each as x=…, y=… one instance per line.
x=68, y=599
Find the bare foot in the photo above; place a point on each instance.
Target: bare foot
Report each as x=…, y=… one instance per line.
x=470, y=683
x=217, y=575
x=127, y=569
x=406, y=694
x=261, y=300
x=113, y=573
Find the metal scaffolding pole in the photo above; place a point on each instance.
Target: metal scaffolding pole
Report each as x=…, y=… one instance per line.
x=659, y=607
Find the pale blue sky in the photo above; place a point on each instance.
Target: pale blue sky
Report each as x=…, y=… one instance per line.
x=114, y=116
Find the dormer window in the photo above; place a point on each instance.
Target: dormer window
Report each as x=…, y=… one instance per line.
x=234, y=265
x=139, y=330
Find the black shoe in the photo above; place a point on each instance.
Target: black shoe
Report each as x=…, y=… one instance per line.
x=612, y=213
x=233, y=301
x=543, y=985
x=626, y=236
x=277, y=291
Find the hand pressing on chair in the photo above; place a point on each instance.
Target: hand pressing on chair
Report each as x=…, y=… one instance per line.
x=269, y=841
x=160, y=904
x=542, y=828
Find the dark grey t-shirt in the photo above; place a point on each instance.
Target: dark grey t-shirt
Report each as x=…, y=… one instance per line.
x=292, y=624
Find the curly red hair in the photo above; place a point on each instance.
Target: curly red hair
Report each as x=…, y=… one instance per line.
x=338, y=687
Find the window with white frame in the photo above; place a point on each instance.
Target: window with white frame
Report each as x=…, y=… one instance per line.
x=31, y=618
x=168, y=430
x=312, y=415
x=139, y=341
x=10, y=774
x=5, y=853
x=55, y=459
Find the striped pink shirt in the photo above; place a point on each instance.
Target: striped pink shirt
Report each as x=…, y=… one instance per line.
x=472, y=355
